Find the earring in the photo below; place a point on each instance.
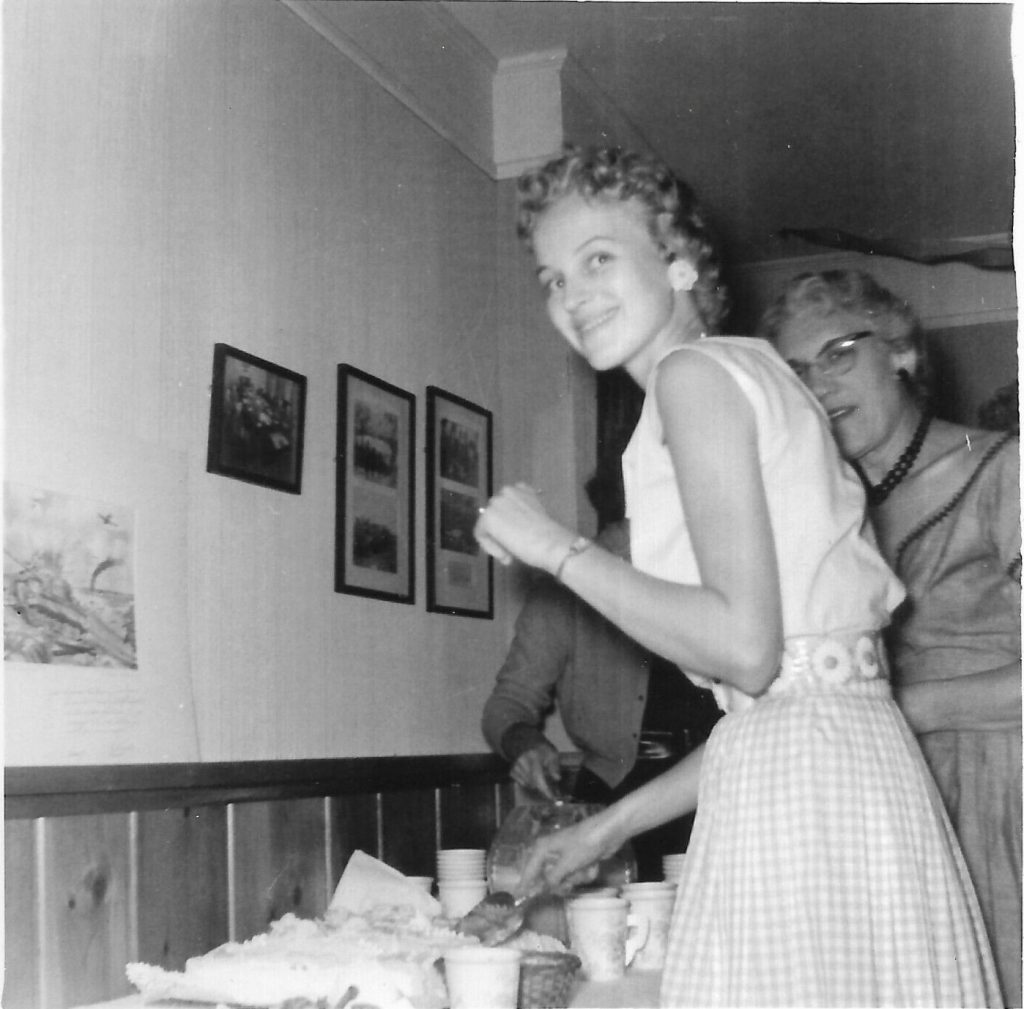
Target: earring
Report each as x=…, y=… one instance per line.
x=682, y=275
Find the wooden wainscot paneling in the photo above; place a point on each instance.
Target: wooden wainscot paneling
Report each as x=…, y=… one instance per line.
x=21, y=927
x=280, y=862
x=87, y=928
x=183, y=883
x=60, y=791
x=106, y=865
x=469, y=816
x=409, y=831
x=353, y=820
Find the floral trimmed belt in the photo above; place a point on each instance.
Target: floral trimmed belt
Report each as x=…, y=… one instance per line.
x=824, y=662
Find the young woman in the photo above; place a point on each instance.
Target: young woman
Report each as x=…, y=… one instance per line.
x=822, y=870
x=945, y=502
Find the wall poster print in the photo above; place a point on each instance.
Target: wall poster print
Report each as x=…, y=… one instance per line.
x=69, y=598
x=460, y=575
x=375, y=485
x=257, y=420
x=97, y=657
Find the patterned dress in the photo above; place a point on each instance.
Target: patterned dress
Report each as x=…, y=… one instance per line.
x=952, y=533
x=822, y=869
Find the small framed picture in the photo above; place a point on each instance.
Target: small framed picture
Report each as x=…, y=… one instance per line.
x=257, y=419
x=373, y=542
x=460, y=575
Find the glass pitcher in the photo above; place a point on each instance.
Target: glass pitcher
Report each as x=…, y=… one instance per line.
x=520, y=830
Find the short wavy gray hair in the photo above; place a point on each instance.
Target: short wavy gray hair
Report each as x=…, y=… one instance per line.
x=828, y=291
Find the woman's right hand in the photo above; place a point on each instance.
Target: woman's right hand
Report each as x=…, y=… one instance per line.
x=566, y=857
x=515, y=526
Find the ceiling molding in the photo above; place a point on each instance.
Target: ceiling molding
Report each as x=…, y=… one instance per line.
x=943, y=296
x=512, y=114
x=507, y=116
x=421, y=56
x=529, y=83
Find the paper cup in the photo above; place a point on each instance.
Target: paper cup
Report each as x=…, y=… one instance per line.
x=423, y=882
x=482, y=977
x=605, y=935
x=654, y=902
x=672, y=866
x=459, y=897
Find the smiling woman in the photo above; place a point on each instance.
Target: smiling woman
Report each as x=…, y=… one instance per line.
x=750, y=569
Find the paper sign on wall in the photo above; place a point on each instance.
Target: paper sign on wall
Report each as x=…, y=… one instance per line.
x=96, y=656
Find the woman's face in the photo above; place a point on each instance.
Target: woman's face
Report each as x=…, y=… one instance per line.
x=852, y=374
x=609, y=289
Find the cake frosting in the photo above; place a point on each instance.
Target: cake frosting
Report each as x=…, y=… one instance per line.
x=384, y=957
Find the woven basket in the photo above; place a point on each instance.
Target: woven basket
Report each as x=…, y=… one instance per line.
x=546, y=979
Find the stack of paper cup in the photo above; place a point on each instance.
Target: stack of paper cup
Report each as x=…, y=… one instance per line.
x=461, y=880
x=672, y=866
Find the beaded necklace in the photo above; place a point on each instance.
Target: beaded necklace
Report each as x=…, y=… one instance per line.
x=878, y=492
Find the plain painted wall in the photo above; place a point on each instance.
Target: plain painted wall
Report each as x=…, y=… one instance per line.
x=183, y=172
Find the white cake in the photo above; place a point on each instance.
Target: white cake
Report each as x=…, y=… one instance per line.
x=383, y=958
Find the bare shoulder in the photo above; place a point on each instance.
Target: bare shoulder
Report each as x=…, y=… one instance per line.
x=698, y=377
x=699, y=400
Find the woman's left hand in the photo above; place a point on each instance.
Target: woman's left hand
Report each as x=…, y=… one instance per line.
x=516, y=526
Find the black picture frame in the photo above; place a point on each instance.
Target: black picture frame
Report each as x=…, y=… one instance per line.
x=257, y=420
x=460, y=575
x=374, y=550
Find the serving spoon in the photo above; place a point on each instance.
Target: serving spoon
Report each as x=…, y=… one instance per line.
x=500, y=917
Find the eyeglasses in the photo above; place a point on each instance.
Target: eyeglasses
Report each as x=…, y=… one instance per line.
x=836, y=358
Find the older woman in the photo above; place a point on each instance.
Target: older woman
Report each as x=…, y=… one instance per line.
x=945, y=503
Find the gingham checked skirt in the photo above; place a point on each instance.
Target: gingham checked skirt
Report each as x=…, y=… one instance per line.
x=822, y=869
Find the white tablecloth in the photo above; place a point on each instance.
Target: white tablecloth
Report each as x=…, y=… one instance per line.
x=634, y=991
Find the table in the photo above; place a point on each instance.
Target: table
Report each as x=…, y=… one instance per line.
x=634, y=991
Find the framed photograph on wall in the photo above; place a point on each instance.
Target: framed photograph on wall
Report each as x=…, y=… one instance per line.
x=373, y=542
x=257, y=419
x=460, y=576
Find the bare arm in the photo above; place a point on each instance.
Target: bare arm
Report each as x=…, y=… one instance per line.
x=989, y=700
x=728, y=628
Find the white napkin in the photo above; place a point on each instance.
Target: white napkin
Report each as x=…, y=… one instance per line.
x=367, y=882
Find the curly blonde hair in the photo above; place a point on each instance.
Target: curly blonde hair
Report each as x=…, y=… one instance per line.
x=675, y=220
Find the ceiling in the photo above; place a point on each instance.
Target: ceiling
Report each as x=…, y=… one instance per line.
x=888, y=121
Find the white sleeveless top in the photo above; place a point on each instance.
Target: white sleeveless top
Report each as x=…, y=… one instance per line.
x=833, y=580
